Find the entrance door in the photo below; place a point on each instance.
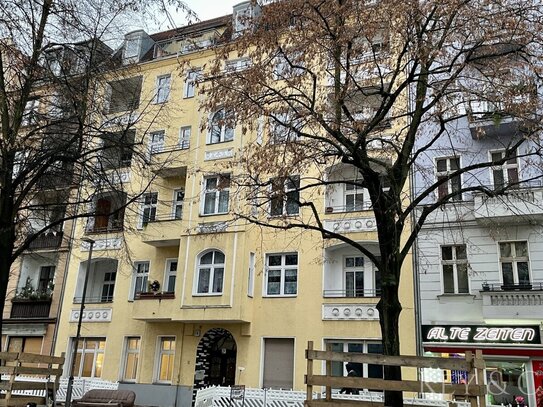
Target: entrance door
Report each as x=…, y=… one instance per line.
x=215, y=359
x=222, y=371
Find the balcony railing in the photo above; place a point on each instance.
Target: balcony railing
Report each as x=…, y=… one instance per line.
x=94, y=300
x=532, y=286
x=363, y=206
x=164, y=295
x=183, y=145
x=162, y=218
x=47, y=241
x=25, y=308
x=107, y=229
x=370, y=292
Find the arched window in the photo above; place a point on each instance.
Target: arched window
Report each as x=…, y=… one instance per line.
x=210, y=273
x=221, y=128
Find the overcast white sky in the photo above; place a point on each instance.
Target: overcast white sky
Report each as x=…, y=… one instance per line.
x=207, y=9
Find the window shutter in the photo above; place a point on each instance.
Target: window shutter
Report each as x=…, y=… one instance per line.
x=278, y=363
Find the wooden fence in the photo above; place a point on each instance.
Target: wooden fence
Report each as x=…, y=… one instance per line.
x=45, y=369
x=472, y=391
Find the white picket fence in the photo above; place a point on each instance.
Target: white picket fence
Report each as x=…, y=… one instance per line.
x=220, y=397
x=81, y=386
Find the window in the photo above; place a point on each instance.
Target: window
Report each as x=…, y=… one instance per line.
x=131, y=358
x=108, y=212
x=216, y=194
x=251, y=277
x=210, y=273
x=30, y=113
x=117, y=149
x=27, y=344
x=170, y=275
x=109, y=286
x=221, y=127
x=284, y=128
x=165, y=359
x=89, y=359
x=353, y=196
x=281, y=274
x=238, y=65
x=445, y=167
x=162, y=88
x=354, y=276
x=47, y=275
x=148, y=213
x=156, y=142
x=514, y=263
x=124, y=95
x=178, y=198
x=278, y=363
x=141, y=278
x=360, y=369
x=285, y=196
x=190, y=83
x=289, y=66
x=505, y=174
x=184, y=137
x=454, y=264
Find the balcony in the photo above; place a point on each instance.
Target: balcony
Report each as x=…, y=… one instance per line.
x=155, y=296
x=94, y=299
x=170, y=161
x=341, y=305
x=163, y=231
x=515, y=206
x=47, y=241
x=519, y=301
x=27, y=308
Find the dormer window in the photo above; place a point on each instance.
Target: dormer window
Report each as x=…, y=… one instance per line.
x=243, y=16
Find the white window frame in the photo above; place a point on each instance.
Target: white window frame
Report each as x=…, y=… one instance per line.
x=237, y=65
x=355, y=269
x=356, y=191
x=126, y=352
x=151, y=206
x=514, y=260
x=213, y=269
x=158, y=357
x=154, y=145
x=218, y=192
x=282, y=269
x=504, y=168
x=169, y=273
x=184, y=137
x=279, y=133
x=346, y=342
x=144, y=275
x=226, y=134
x=83, y=351
x=446, y=173
x=177, y=203
x=189, y=89
x=454, y=263
x=163, y=87
x=251, y=276
x=284, y=195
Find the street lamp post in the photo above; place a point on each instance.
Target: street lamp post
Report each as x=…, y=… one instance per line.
x=79, y=321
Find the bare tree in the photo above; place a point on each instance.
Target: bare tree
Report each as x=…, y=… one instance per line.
x=69, y=106
x=371, y=87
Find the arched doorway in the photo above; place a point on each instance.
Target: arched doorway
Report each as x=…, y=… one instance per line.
x=215, y=359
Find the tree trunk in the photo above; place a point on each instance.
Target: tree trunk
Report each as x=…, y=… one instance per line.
x=389, y=311
x=389, y=305
x=7, y=238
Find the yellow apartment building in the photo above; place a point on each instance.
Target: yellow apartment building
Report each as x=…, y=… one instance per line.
x=181, y=295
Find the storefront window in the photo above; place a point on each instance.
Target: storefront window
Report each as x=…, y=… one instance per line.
x=507, y=380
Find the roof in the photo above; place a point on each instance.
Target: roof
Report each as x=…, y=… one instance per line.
x=193, y=28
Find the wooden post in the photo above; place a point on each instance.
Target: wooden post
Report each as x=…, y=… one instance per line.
x=309, y=393
x=479, y=364
x=328, y=373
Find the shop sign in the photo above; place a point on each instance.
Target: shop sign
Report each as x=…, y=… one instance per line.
x=481, y=334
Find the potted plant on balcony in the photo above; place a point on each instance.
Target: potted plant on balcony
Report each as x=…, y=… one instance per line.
x=29, y=293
